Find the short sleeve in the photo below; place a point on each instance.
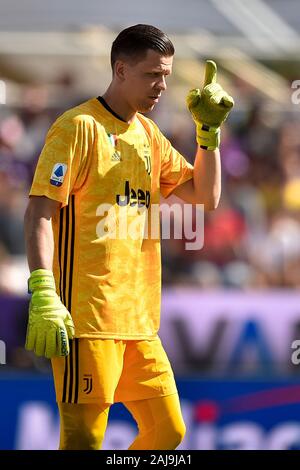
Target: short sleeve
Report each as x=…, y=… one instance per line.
x=63, y=159
x=175, y=169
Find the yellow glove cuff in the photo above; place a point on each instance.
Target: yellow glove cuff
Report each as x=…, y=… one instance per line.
x=41, y=279
x=208, y=137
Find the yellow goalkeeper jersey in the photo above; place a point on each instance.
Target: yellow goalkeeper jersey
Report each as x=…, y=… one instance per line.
x=100, y=168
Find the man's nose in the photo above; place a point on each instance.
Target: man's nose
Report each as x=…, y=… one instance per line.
x=162, y=85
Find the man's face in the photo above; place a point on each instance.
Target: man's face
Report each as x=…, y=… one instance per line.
x=144, y=81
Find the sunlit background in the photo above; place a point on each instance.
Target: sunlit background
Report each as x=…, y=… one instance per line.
x=230, y=311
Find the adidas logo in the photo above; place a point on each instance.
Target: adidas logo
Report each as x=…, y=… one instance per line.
x=116, y=157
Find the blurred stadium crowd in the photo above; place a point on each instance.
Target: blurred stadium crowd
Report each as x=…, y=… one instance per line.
x=251, y=240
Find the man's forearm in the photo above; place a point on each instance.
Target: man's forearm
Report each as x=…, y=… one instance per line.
x=207, y=177
x=39, y=242
x=205, y=187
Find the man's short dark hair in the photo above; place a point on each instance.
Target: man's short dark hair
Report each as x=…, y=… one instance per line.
x=132, y=43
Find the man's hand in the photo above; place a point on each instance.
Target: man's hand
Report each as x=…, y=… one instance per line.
x=209, y=108
x=49, y=324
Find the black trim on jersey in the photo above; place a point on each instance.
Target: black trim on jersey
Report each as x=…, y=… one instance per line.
x=72, y=210
x=66, y=255
x=66, y=209
x=61, y=226
x=106, y=106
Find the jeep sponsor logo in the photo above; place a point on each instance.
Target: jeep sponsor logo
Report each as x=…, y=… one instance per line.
x=133, y=197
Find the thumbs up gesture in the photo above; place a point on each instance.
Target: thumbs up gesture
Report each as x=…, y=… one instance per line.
x=209, y=108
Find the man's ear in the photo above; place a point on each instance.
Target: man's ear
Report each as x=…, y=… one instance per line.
x=120, y=70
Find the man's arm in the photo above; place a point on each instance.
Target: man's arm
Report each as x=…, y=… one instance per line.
x=49, y=324
x=209, y=107
x=205, y=187
x=38, y=232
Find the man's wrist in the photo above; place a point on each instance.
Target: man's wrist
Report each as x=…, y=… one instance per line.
x=208, y=137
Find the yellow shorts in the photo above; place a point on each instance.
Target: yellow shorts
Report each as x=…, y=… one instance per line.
x=110, y=371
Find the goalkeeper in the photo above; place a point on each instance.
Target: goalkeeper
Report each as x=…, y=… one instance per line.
x=95, y=299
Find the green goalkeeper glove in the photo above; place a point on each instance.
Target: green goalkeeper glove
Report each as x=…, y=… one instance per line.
x=49, y=324
x=209, y=108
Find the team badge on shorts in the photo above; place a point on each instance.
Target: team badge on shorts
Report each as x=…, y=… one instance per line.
x=88, y=383
x=58, y=174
